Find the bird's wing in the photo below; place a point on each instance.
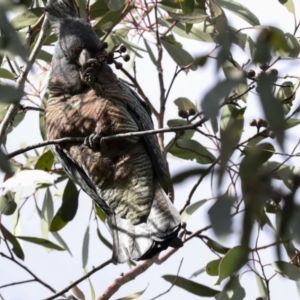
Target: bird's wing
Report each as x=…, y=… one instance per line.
x=141, y=114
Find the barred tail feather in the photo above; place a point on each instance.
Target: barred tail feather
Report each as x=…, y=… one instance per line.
x=145, y=240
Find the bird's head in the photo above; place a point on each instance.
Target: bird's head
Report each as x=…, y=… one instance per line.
x=77, y=42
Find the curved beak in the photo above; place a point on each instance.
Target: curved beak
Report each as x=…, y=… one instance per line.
x=84, y=56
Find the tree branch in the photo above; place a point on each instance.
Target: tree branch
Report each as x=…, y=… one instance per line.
x=87, y=275
x=106, y=138
x=14, y=108
x=28, y=271
x=16, y=283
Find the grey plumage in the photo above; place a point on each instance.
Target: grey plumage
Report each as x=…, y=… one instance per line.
x=123, y=176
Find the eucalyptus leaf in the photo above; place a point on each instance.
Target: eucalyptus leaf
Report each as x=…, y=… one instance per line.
x=191, y=150
x=69, y=202
x=85, y=247
x=286, y=270
x=6, y=74
x=191, y=209
x=17, y=249
x=212, y=268
x=240, y=10
x=179, y=55
x=41, y=242
x=220, y=215
x=10, y=94
x=45, y=161
x=29, y=178
x=27, y=18
x=235, y=258
x=7, y=203
x=191, y=286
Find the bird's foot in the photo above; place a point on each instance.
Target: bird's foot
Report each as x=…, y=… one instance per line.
x=89, y=70
x=88, y=74
x=95, y=141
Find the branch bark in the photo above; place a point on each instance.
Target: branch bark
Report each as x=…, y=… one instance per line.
x=14, y=108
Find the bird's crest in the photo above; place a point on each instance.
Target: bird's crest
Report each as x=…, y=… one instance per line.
x=59, y=11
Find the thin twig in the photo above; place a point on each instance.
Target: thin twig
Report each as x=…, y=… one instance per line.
x=87, y=275
x=45, y=143
x=188, y=201
x=103, y=139
x=28, y=271
x=14, y=108
x=17, y=283
x=172, y=285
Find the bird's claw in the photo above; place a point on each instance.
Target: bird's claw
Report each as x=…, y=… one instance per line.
x=94, y=142
x=90, y=70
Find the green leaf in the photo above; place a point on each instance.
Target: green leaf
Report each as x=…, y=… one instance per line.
x=69, y=202
x=232, y=125
x=187, y=6
x=7, y=203
x=218, y=17
x=77, y=292
x=191, y=209
x=211, y=101
x=115, y=5
x=200, y=32
x=85, y=247
x=191, y=286
x=10, y=94
x=254, y=158
x=286, y=95
x=293, y=48
x=290, y=123
x=234, y=71
x=134, y=295
x=287, y=270
x=17, y=249
x=82, y=5
x=100, y=213
x=190, y=18
x=93, y=295
x=192, y=150
x=9, y=41
x=44, y=55
x=261, y=285
x=47, y=213
x=41, y=242
x=45, y=161
x=5, y=165
x=27, y=18
x=289, y=4
x=215, y=246
x=185, y=104
x=6, y=74
x=220, y=215
x=235, y=258
x=233, y=290
x=57, y=222
x=184, y=175
x=104, y=240
x=212, y=268
x=42, y=125
x=150, y=52
x=185, y=134
x=98, y=9
x=240, y=10
x=182, y=58
x=24, y=178
x=61, y=241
